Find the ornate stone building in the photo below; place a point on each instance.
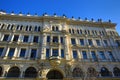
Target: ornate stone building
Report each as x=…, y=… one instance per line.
x=57, y=48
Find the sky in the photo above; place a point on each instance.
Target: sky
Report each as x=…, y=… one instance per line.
x=104, y=9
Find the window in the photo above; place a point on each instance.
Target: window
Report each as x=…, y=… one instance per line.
x=55, y=39
x=73, y=31
x=11, y=52
x=82, y=42
x=25, y=39
x=85, y=32
x=98, y=42
x=26, y=28
x=47, y=53
x=102, y=56
x=75, y=54
x=105, y=42
x=6, y=36
x=17, y=27
x=22, y=52
x=21, y=27
x=48, y=38
x=30, y=28
x=1, y=51
x=35, y=29
x=53, y=28
x=15, y=37
x=62, y=53
x=38, y=28
x=81, y=31
x=8, y=27
x=55, y=52
x=111, y=55
x=78, y=31
x=57, y=29
x=73, y=41
x=61, y=39
x=90, y=42
x=84, y=54
x=69, y=30
x=94, y=57
x=118, y=42
x=35, y=39
x=33, y=53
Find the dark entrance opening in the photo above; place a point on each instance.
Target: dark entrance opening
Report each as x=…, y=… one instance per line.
x=54, y=74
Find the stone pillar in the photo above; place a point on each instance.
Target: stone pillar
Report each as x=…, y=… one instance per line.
x=66, y=48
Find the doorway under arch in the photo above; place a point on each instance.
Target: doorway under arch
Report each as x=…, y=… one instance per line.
x=54, y=74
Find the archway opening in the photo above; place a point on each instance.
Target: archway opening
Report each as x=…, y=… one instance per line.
x=116, y=72
x=54, y=74
x=31, y=72
x=13, y=72
x=1, y=71
x=77, y=72
x=104, y=72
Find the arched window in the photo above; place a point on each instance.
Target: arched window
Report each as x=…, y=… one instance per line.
x=91, y=72
x=104, y=72
x=13, y=72
x=73, y=31
x=85, y=32
x=30, y=28
x=116, y=72
x=35, y=29
x=21, y=27
x=26, y=28
x=31, y=72
x=78, y=31
x=39, y=28
x=77, y=72
x=69, y=30
x=57, y=29
x=1, y=71
x=17, y=27
x=12, y=26
x=8, y=27
x=53, y=28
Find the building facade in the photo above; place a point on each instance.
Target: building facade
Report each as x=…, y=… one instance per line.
x=57, y=48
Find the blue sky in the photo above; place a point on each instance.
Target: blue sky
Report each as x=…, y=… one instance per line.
x=104, y=9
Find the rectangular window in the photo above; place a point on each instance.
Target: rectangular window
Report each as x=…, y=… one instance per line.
x=73, y=41
x=105, y=42
x=118, y=42
x=84, y=53
x=55, y=52
x=55, y=39
x=11, y=52
x=47, y=53
x=61, y=39
x=6, y=37
x=111, y=55
x=48, y=38
x=98, y=42
x=22, y=52
x=33, y=53
x=62, y=53
x=1, y=51
x=102, y=55
x=94, y=57
x=25, y=39
x=35, y=39
x=75, y=54
x=90, y=42
x=15, y=37
x=82, y=42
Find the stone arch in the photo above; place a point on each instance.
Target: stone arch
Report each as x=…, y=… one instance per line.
x=91, y=72
x=31, y=72
x=55, y=74
x=13, y=72
x=104, y=72
x=116, y=71
x=77, y=72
